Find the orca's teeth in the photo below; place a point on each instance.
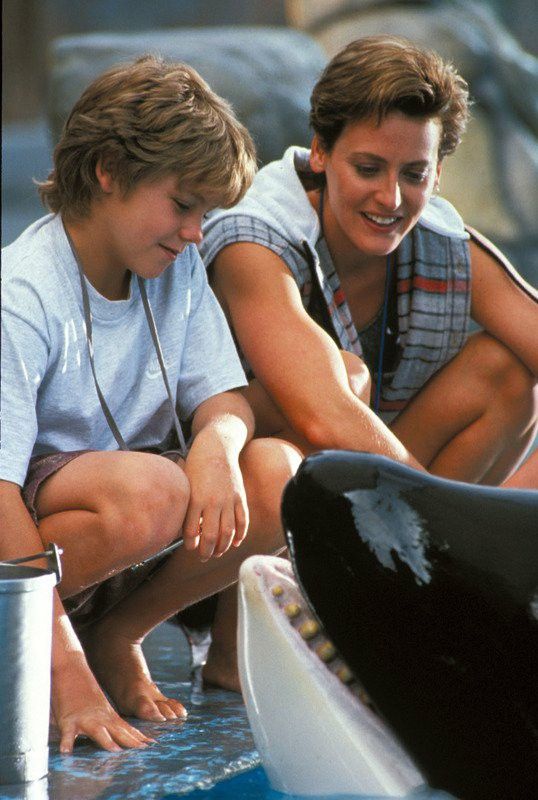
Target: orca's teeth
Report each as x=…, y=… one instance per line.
x=363, y=697
x=314, y=636
x=344, y=674
x=309, y=629
x=292, y=610
x=326, y=651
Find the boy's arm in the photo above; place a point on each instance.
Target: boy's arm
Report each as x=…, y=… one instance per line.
x=217, y=516
x=78, y=703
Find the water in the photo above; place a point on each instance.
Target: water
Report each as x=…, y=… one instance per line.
x=254, y=785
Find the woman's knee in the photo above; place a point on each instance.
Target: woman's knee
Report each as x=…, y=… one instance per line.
x=504, y=376
x=145, y=503
x=358, y=375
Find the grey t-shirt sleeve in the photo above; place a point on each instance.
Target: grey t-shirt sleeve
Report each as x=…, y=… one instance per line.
x=24, y=357
x=209, y=363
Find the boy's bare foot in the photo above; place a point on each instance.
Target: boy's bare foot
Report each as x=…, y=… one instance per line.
x=221, y=668
x=120, y=667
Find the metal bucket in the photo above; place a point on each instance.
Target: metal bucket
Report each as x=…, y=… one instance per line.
x=26, y=595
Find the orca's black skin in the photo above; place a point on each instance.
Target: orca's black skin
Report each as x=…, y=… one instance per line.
x=445, y=638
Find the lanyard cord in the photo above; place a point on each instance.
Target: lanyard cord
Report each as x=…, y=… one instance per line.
x=379, y=377
x=384, y=316
x=156, y=343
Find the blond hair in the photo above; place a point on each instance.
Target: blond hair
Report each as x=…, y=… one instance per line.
x=376, y=75
x=149, y=118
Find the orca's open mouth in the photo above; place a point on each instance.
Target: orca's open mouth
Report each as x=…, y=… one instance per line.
x=290, y=602
x=313, y=724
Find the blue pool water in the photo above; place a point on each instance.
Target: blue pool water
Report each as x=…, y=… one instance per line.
x=254, y=785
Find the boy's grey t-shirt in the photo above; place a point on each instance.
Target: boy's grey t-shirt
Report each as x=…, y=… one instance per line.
x=48, y=395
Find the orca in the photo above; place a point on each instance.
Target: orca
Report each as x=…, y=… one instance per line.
x=399, y=649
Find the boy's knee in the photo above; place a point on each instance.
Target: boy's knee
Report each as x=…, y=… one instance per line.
x=270, y=461
x=267, y=465
x=146, y=505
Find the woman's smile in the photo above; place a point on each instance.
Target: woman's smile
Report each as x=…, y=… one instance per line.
x=384, y=224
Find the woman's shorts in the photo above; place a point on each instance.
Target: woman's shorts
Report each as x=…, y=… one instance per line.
x=94, y=602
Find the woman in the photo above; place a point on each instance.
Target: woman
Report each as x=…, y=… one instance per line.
x=341, y=262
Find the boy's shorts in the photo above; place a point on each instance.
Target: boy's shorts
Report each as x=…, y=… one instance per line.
x=94, y=602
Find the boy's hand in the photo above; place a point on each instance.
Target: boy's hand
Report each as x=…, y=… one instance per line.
x=80, y=708
x=217, y=516
x=78, y=703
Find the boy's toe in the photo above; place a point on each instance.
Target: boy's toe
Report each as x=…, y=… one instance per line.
x=171, y=709
x=144, y=708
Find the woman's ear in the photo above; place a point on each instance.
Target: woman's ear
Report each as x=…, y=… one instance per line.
x=104, y=175
x=318, y=156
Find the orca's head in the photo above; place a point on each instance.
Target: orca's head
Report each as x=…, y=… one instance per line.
x=402, y=639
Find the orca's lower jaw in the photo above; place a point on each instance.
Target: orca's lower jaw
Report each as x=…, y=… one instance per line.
x=314, y=727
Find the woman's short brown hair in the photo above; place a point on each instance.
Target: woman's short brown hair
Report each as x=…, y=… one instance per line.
x=149, y=118
x=376, y=75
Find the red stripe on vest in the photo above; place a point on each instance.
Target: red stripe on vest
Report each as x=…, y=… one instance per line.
x=434, y=285
x=339, y=297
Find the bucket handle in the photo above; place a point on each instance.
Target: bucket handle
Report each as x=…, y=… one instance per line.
x=52, y=554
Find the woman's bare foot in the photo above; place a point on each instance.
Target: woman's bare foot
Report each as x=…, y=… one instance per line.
x=120, y=667
x=221, y=668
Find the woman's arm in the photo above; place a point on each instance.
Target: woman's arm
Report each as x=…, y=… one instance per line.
x=504, y=305
x=294, y=359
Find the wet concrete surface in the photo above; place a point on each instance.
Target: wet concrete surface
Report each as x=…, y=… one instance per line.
x=213, y=743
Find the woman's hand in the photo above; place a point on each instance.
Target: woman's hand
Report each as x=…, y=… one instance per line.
x=217, y=516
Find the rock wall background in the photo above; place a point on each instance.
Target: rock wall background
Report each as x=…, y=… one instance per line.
x=52, y=48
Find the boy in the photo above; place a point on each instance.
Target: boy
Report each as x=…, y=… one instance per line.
x=90, y=389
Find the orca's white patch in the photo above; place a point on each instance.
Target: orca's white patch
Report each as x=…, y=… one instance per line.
x=388, y=525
